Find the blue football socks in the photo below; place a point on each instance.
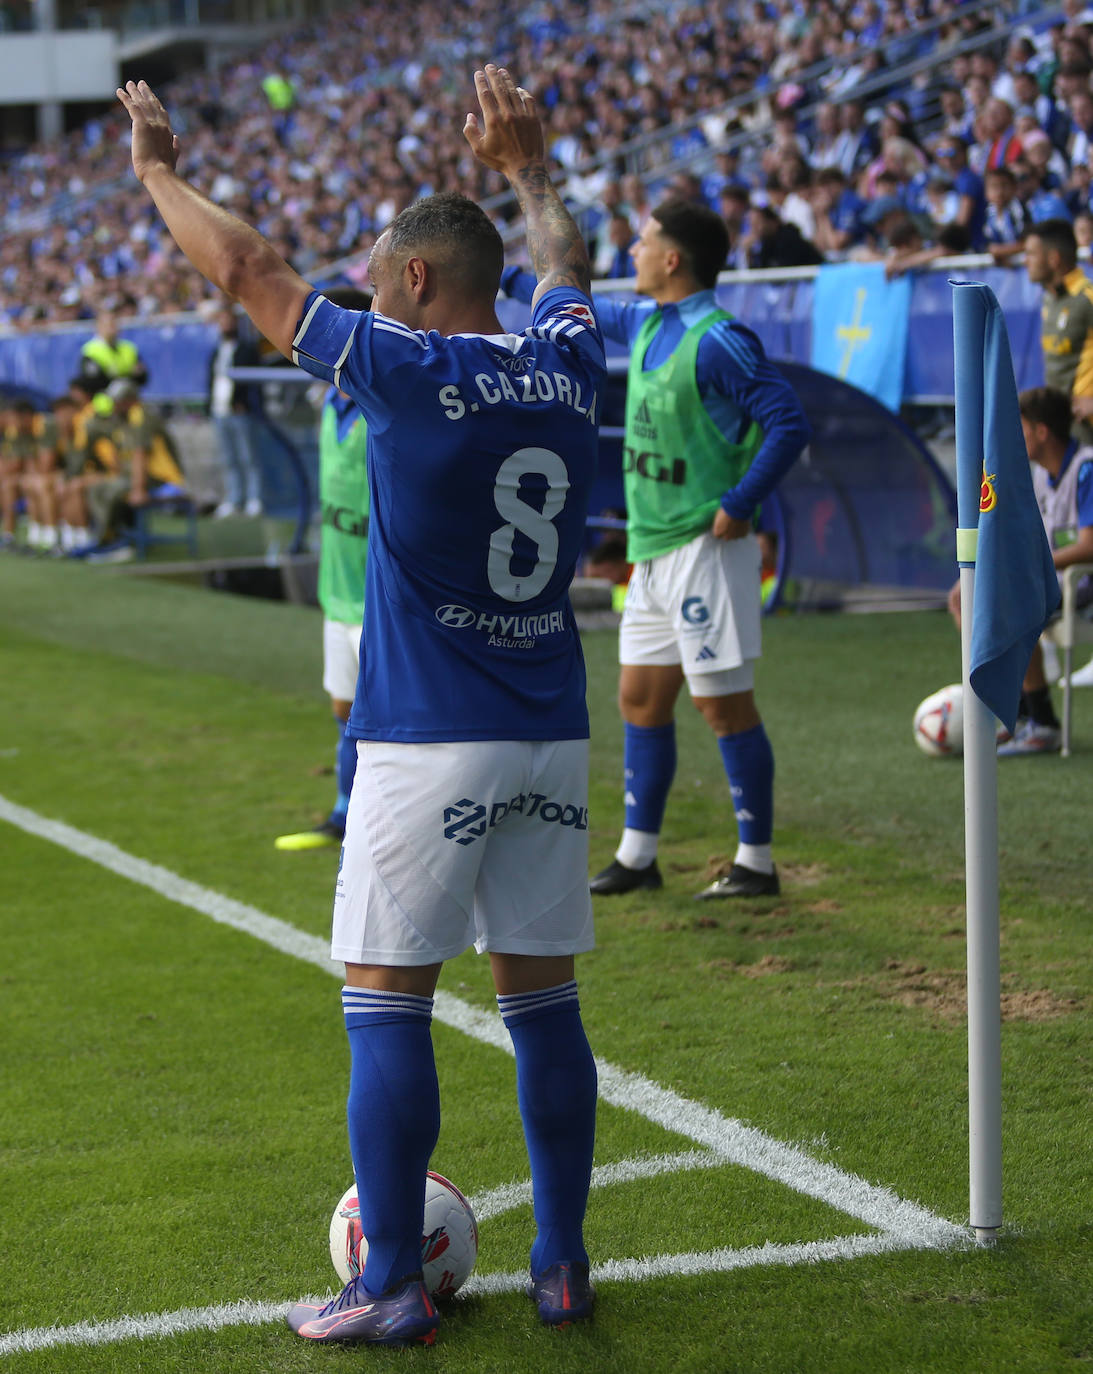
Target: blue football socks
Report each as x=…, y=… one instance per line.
x=649, y=765
x=393, y=1113
x=749, y=763
x=344, y=769
x=556, y=1090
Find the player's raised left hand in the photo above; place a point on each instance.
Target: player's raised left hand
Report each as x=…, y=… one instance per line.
x=510, y=135
x=154, y=145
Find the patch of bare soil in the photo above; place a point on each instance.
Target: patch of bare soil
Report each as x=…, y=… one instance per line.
x=945, y=992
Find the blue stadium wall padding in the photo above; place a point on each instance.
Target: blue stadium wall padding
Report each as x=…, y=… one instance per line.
x=177, y=356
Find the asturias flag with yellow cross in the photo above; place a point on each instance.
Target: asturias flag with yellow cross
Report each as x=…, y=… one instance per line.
x=859, y=328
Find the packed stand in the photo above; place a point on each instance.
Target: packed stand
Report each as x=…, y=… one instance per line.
x=322, y=136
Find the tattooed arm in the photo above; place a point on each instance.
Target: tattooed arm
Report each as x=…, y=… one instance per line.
x=510, y=141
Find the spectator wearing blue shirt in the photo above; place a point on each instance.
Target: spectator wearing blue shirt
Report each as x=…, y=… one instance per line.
x=951, y=156
x=726, y=173
x=839, y=213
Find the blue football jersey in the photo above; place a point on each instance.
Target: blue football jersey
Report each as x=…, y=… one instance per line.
x=481, y=455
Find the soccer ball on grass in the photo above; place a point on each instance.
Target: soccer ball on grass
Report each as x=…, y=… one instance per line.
x=449, y=1245
x=939, y=723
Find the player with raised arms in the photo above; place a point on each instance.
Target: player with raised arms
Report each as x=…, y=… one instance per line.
x=468, y=817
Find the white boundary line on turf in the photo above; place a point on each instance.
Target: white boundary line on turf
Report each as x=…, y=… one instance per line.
x=161, y=1324
x=902, y=1224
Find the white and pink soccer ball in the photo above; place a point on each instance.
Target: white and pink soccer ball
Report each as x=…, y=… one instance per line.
x=939, y=723
x=449, y=1246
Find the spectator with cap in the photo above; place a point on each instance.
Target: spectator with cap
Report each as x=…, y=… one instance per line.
x=951, y=156
x=879, y=219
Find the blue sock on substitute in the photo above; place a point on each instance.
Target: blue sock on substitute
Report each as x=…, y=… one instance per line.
x=393, y=1113
x=344, y=769
x=556, y=1090
x=649, y=765
x=749, y=763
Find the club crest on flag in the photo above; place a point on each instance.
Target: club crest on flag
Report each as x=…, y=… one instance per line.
x=988, y=497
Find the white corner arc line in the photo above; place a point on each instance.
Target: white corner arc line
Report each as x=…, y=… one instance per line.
x=901, y=1224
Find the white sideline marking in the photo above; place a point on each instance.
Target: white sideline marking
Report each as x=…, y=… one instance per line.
x=902, y=1225
x=510, y=1195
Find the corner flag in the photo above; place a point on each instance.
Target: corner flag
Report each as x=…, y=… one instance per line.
x=1016, y=588
x=1008, y=589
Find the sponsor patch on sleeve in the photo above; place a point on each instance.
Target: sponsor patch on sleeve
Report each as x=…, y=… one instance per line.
x=581, y=310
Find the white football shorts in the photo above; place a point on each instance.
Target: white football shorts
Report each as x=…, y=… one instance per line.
x=341, y=659
x=698, y=606
x=464, y=842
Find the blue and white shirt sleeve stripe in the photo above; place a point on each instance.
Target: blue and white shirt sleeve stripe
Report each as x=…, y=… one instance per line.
x=325, y=338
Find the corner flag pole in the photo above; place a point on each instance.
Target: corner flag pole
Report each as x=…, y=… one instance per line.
x=980, y=794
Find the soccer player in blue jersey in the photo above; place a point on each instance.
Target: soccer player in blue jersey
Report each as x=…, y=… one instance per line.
x=470, y=715
x=711, y=428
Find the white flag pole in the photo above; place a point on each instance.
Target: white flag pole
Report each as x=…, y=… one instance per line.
x=980, y=794
x=984, y=963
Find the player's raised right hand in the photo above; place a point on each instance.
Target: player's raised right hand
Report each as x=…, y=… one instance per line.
x=510, y=136
x=154, y=145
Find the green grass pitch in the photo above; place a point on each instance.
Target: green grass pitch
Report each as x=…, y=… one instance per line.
x=171, y=1102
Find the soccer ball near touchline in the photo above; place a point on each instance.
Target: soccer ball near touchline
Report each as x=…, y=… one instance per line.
x=449, y=1245
x=939, y=723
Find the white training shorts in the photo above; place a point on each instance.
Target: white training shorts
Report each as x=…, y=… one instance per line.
x=464, y=842
x=341, y=655
x=697, y=606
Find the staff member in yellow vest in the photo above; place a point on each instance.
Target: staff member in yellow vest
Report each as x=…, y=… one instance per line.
x=105, y=358
x=711, y=428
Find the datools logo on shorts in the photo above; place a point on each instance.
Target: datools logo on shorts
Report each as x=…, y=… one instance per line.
x=467, y=821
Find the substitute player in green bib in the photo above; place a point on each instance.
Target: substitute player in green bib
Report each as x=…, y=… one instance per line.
x=343, y=548
x=711, y=428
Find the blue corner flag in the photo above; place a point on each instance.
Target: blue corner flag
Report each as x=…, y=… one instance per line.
x=1016, y=587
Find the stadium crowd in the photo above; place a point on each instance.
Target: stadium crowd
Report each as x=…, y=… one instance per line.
x=322, y=135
